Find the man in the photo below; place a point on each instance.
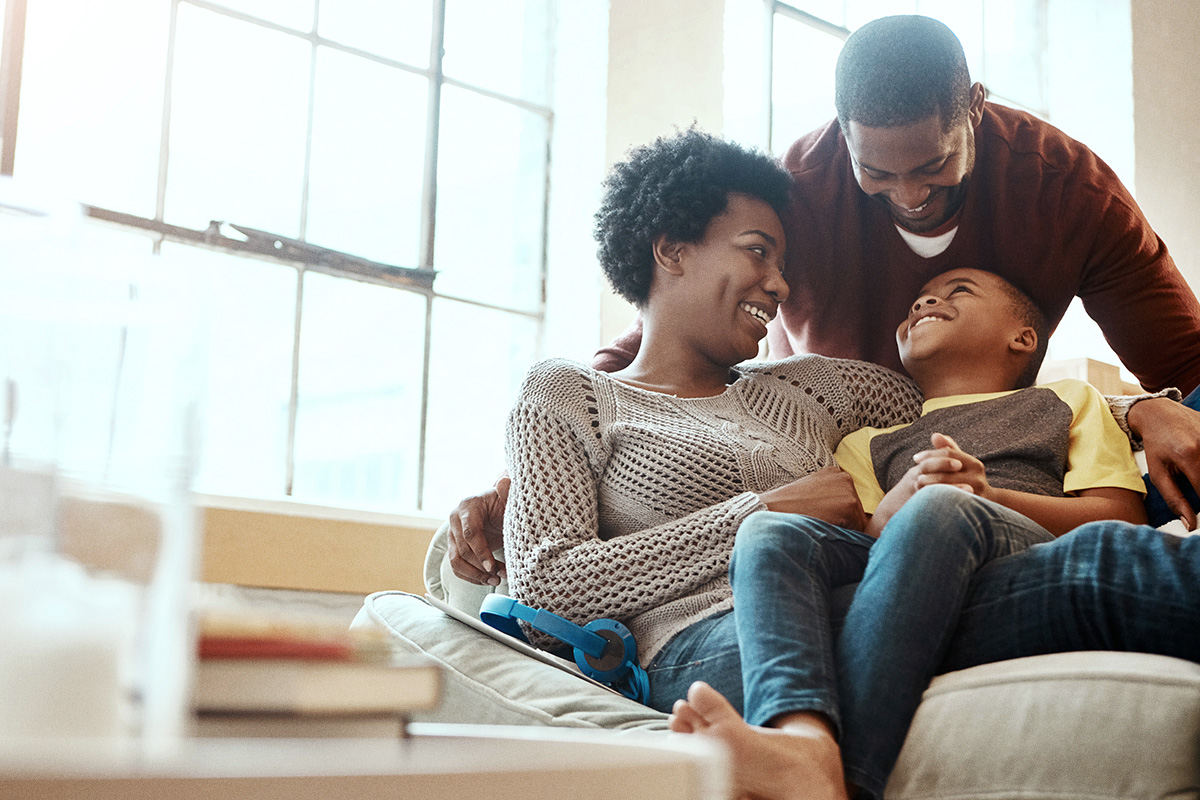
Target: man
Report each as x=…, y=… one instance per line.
x=919, y=174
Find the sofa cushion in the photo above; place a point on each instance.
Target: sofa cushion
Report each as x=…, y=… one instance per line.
x=486, y=682
x=1065, y=726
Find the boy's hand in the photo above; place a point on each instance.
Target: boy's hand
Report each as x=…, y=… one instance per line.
x=945, y=463
x=948, y=463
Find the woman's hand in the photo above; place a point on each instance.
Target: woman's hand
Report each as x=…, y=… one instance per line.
x=476, y=529
x=826, y=494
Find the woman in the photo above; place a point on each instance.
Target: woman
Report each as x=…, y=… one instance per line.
x=628, y=489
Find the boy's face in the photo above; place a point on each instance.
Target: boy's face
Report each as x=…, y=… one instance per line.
x=963, y=312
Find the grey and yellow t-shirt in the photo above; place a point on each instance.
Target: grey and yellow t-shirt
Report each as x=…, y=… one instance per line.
x=1050, y=440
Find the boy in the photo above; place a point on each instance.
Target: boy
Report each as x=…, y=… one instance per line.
x=974, y=343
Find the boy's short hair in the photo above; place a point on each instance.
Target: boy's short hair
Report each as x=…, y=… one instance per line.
x=1027, y=313
x=675, y=187
x=899, y=70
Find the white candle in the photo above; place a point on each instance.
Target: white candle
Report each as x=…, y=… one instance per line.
x=65, y=639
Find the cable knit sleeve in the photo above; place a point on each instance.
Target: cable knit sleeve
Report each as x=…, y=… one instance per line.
x=557, y=560
x=880, y=397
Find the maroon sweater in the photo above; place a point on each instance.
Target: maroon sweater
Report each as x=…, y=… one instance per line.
x=1043, y=211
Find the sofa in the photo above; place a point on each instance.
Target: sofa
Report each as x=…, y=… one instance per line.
x=1074, y=726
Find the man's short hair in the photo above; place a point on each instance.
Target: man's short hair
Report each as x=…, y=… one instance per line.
x=900, y=70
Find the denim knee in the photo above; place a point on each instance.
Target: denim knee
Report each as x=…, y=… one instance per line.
x=771, y=533
x=925, y=515
x=938, y=499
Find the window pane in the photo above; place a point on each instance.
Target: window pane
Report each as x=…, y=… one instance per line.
x=860, y=12
x=965, y=18
x=358, y=422
x=803, y=87
x=251, y=306
x=297, y=14
x=367, y=159
x=469, y=397
x=1015, y=47
x=398, y=29
x=491, y=201
x=829, y=10
x=90, y=120
x=499, y=46
x=238, y=124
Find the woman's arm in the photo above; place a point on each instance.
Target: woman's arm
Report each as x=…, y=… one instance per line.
x=879, y=397
x=556, y=559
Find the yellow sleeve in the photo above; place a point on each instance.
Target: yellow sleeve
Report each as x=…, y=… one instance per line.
x=1099, y=454
x=854, y=456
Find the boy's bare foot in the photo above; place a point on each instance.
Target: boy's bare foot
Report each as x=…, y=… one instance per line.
x=798, y=760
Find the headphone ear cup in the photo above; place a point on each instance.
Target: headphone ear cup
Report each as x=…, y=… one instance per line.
x=620, y=654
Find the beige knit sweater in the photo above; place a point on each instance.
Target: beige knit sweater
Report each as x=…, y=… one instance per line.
x=624, y=502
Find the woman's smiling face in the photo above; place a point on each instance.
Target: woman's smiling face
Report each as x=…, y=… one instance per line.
x=736, y=281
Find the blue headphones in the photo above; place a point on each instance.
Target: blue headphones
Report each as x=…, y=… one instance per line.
x=604, y=648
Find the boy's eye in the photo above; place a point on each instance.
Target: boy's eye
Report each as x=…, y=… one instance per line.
x=958, y=289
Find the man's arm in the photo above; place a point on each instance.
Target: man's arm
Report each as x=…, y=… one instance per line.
x=620, y=352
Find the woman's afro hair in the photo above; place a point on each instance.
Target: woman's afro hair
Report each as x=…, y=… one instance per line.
x=675, y=187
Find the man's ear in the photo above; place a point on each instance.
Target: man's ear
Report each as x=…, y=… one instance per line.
x=975, y=109
x=1025, y=341
x=667, y=254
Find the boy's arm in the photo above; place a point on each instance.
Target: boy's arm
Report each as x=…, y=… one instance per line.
x=947, y=463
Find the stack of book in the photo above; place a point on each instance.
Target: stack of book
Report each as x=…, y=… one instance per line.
x=296, y=677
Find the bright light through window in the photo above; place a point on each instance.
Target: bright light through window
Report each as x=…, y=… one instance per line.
x=330, y=376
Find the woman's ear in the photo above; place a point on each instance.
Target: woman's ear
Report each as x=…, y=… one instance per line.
x=667, y=254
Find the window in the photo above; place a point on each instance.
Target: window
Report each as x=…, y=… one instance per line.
x=395, y=156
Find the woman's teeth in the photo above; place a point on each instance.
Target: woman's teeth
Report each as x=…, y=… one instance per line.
x=755, y=312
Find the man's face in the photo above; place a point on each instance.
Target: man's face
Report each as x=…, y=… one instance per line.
x=919, y=171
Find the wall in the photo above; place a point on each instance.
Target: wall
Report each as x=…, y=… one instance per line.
x=665, y=70
x=1166, y=62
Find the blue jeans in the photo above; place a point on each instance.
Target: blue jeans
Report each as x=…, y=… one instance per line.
x=924, y=606
x=1104, y=586
x=1157, y=510
x=792, y=577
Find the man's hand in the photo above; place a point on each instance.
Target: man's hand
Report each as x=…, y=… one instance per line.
x=826, y=494
x=476, y=529
x=1170, y=433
